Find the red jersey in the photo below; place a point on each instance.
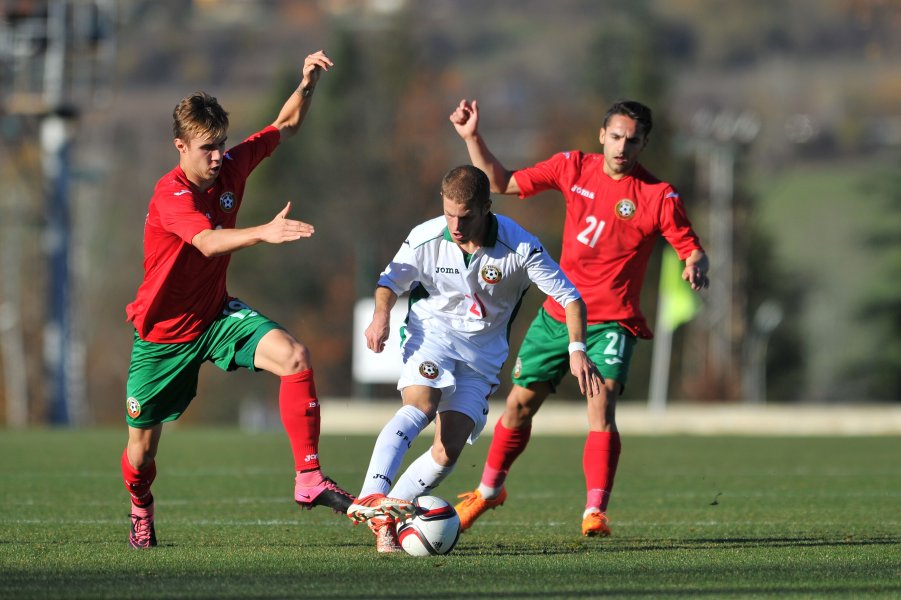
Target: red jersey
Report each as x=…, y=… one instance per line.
x=610, y=230
x=183, y=290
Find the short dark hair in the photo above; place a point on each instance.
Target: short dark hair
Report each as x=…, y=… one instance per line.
x=466, y=184
x=199, y=115
x=633, y=110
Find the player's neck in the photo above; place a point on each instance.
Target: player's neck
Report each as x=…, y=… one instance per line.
x=617, y=175
x=469, y=247
x=201, y=183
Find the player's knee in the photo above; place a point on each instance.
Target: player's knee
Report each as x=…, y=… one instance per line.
x=517, y=415
x=602, y=412
x=445, y=456
x=297, y=358
x=523, y=403
x=139, y=456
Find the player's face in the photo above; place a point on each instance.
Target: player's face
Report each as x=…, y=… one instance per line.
x=466, y=221
x=623, y=141
x=201, y=158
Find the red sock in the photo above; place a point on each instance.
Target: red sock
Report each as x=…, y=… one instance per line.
x=138, y=482
x=599, y=460
x=506, y=446
x=299, y=408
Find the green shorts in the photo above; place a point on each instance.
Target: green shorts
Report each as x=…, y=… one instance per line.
x=544, y=354
x=162, y=378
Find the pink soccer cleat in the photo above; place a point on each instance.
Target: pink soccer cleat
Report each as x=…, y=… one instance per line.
x=325, y=493
x=143, y=534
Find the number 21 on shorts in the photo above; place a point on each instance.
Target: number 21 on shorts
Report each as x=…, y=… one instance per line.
x=616, y=346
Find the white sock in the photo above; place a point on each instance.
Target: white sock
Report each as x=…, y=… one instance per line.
x=489, y=493
x=421, y=477
x=390, y=447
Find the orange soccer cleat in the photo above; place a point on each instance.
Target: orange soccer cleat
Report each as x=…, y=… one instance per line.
x=474, y=505
x=595, y=524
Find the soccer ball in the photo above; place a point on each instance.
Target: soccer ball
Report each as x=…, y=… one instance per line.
x=433, y=530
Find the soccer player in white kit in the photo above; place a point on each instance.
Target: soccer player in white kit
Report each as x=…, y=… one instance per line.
x=466, y=273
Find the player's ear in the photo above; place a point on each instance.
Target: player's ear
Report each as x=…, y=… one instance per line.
x=180, y=145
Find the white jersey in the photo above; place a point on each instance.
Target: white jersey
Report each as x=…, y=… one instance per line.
x=473, y=302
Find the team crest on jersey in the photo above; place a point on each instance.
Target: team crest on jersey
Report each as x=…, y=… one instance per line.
x=227, y=201
x=133, y=407
x=517, y=368
x=625, y=209
x=428, y=369
x=490, y=274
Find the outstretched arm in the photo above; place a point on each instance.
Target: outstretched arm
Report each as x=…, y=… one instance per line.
x=590, y=379
x=378, y=330
x=216, y=242
x=466, y=121
x=298, y=104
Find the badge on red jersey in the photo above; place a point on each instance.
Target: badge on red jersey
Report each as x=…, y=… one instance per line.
x=625, y=209
x=227, y=202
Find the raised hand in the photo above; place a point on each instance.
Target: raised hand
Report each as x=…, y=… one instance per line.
x=313, y=66
x=466, y=118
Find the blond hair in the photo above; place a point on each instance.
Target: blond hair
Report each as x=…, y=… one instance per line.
x=466, y=184
x=199, y=115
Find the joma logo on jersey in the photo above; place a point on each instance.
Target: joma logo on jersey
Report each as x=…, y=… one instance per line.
x=490, y=274
x=227, y=201
x=582, y=192
x=450, y=270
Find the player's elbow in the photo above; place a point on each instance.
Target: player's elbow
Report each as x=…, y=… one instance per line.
x=205, y=244
x=577, y=305
x=287, y=127
x=507, y=184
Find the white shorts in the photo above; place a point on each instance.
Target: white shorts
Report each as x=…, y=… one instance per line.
x=433, y=363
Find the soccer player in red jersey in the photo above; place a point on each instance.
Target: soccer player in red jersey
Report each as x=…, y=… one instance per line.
x=615, y=212
x=183, y=315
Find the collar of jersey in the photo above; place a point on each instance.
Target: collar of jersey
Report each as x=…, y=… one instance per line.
x=490, y=235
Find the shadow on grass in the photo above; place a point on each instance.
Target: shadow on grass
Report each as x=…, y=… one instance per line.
x=643, y=545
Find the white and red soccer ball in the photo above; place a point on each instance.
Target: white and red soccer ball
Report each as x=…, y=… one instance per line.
x=434, y=529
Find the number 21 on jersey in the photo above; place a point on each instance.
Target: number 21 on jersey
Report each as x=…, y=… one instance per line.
x=589, y=236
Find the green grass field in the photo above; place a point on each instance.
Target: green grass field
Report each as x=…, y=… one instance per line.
x=691, y=517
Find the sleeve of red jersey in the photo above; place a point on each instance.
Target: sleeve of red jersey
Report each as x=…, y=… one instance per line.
x=251, y=152
x=551, y=174
x=675, y=226
x=178, y=214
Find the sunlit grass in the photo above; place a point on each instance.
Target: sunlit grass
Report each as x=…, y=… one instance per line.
x=691, y=516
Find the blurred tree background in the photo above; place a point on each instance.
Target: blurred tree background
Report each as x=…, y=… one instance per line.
x=814, y=204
